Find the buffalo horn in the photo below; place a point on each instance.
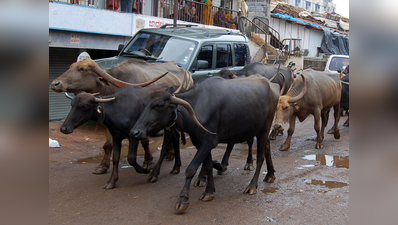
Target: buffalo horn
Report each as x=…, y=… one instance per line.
x=68, y=96
x=277, y=72
x=102, y=100
x=118, y=83
x=299, y=96
x=283, y=83
x=186, y=105
x=346, y=83
x=183, y=83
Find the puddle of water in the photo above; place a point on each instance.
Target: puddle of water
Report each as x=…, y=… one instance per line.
x=329, y=160
x=270, y=190
x=329, y=184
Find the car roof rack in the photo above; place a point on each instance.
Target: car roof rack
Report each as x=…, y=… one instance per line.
x=218, y=32
x=177, y=25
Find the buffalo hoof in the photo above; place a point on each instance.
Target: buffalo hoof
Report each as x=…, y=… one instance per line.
x=269, y=178
x=249, y=166
x=319, y=146
x=206, y=197
x=152, y=178
x=109, y=186
x=169, y=156
x=182, y=204
x=148, y=165
x=331, y=131
x=224, y=168
x=200, y=182
x=175, y=171
x=142, y=170
x=100, y=170
x=250, y=191
x=337, y=135
x=284, y=148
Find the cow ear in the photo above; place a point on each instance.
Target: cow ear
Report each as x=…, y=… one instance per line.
x=102, y=81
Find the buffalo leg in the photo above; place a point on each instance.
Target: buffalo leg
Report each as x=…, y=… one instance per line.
x=317, y=127
x=106, y=160
x=132, y=156
x=148, y=159
x=292, y=124
x=170, y=137
x=117, y=144
x=207, y=166
x=252, y=188
x=346, y=123
x=325, y=119
x=183, y=201
x=336, y=109
x=249, y=161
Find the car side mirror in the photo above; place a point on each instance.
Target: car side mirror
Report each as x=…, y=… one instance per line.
x=202, y=64
x=120, y=47
x=339, y=70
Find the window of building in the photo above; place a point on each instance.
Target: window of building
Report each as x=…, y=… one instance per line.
x=298, y=2
x=308, y=5
x=317, y=8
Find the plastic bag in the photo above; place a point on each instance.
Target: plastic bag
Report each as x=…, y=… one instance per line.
x=53, y=143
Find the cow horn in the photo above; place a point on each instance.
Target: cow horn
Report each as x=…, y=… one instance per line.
x=118, y=83
x=299, y=96
x=186, y=105
x=346, y=83
x=277, y=72
x=102, y=100
x=68, y=96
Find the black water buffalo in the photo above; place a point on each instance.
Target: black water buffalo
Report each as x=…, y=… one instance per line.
x=85, y=75
x=266, y=70
x=313, y=93
x=345, y=100
x=208, y=107
x=119, y=112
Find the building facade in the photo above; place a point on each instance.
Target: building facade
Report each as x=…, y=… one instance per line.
x=314, y=5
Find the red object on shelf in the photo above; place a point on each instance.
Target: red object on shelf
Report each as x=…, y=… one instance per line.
x=112, y=4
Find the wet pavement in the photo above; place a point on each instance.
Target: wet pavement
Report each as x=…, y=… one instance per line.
x=311, y=186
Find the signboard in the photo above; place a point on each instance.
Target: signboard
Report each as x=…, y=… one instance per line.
x=75, y=39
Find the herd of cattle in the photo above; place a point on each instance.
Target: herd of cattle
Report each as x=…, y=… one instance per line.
x=136, y=99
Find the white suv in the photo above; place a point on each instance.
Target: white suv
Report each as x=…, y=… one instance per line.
x=337, y=62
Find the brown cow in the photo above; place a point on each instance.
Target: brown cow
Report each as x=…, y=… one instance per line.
x=85, y=75
x=320, y=92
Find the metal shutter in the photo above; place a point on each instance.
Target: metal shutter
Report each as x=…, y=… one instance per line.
x=59, y=61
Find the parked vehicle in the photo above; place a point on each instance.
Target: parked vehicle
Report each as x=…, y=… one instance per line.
x=202, y=51
x=336, y=63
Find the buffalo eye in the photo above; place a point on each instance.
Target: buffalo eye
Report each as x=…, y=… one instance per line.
x=84, y=108
x=159, y=106
x=83, y=69
x=286, y=107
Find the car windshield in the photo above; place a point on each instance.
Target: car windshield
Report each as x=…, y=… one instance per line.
x=162, y=48
x=338, y=63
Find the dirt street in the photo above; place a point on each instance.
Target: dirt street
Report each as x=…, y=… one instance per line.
x=311, y=186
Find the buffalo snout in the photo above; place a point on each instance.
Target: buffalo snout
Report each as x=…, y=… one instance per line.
x=57, y=86
x=65, y=130
x=278, y=127
x=138, y=134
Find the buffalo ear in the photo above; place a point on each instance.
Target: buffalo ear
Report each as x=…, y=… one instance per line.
x=296, y=106
x=102, y=81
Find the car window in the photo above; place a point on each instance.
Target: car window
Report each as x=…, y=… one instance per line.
x=338, y=63
x=206, y=53
x=240, y=54
x=224, y=56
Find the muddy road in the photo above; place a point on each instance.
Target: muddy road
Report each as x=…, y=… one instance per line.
x=311, y=186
